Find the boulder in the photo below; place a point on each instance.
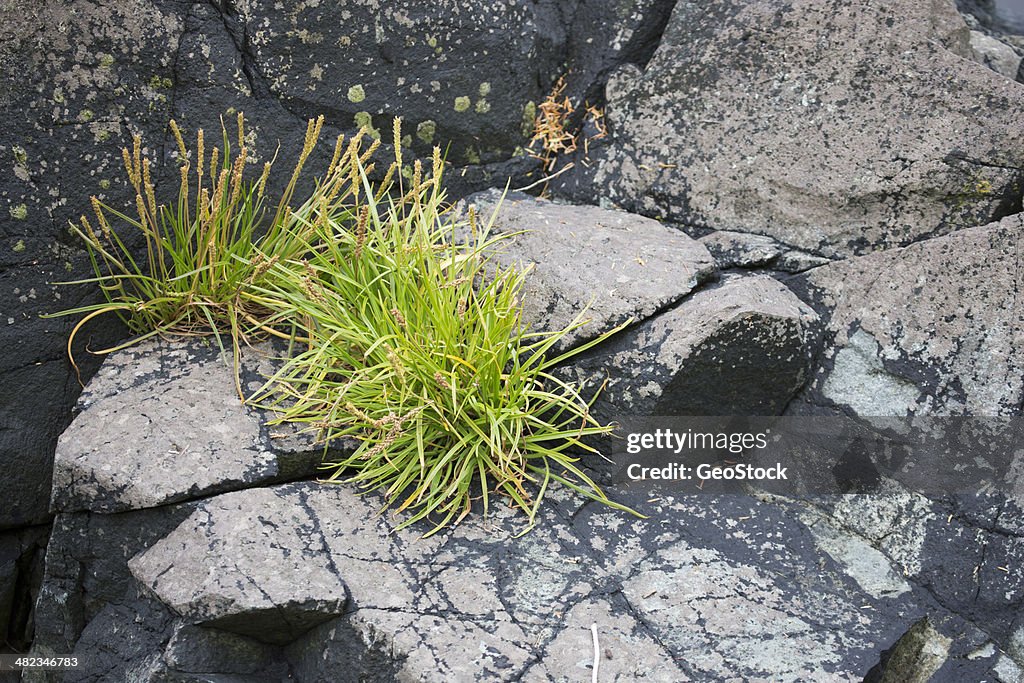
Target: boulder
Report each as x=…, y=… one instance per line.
x=931, y=329
x=620, y=266
x=162, y=422
x=995, y=54
x=741, y=348
x=709, y=588
x=216, y=575
x=834, y=127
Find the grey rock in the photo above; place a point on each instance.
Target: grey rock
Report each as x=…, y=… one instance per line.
x=196, y=650
x=995, y=54
x=302, y=589
x=701, y=590
x=742, y=121
x=624, y=653
x=933, y=328
x=741, y=250
x=859, y=380
x=917, y=655
x=621, y=265
x=743, y=348
x=162, y=422
x=797, y=261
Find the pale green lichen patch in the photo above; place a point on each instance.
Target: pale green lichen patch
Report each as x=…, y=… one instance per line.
x=406, y=141
x=86, y=115
x=356, y=94
x=425, y=131
x=106, y=61
x=485, y=89
x=363, y=119
x=462, y=103
x=20, y=155
x=483, y=106
x=19, y=212
x=19, y=246
x=472, y=156
x=529, y=116
x=158, y=82
x=104, y=184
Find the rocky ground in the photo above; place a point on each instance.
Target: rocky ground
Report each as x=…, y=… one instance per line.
x=825, y=215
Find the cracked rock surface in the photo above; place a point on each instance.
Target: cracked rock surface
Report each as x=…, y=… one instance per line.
x=934, y=328
x=162, y=422
x=778, y=118
x=708, y=588
x=623, y=266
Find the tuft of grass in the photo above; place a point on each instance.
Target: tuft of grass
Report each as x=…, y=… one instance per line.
x=205, y=251
x=411, y=336
x=416, y=347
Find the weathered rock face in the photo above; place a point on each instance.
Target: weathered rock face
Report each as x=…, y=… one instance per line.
x=70, y=78
x=162, y=423
x=621, y=265
x=743, y=348
x=710, y=588
x=934, y=328
x=778, y=119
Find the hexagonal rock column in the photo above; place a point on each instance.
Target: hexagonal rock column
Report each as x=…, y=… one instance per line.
x=743, y=348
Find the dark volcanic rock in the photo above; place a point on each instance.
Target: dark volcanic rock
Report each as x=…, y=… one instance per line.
x=701, y=591
x=743, y=348
x=933, y=328
x=71, y=78
x=835, y=127
x=618, y=265
x=162, y=422
x=21, y=573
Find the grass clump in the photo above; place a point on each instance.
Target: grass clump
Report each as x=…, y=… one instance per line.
x=204, y=252
x=417, y=348
x=410, y=335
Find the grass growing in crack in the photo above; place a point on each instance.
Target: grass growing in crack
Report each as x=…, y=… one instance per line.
x=203, y=252
x=416, y=347
x=413, y=335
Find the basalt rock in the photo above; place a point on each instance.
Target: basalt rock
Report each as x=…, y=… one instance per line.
x=741, y=348
x=933, y=328
x=162, y=422
x=703, y=590
x=778, y=118
x=617, y=265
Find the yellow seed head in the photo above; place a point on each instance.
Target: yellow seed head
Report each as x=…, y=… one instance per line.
x=182, y=150
x=200, y=154
x=396, y=130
